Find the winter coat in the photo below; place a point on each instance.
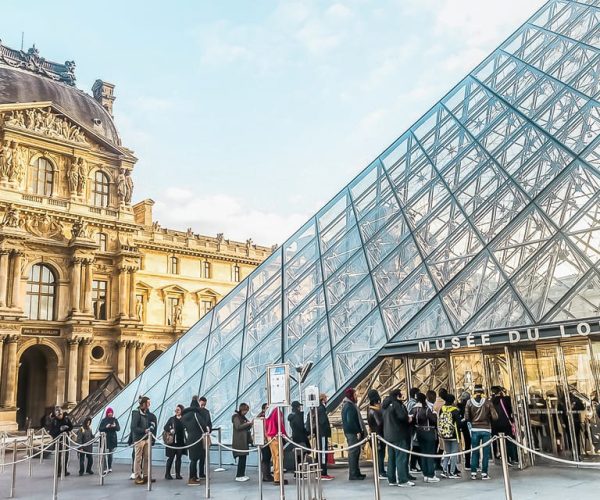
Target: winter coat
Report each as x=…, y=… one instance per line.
x=241, y=434
x=175, y=424
x=274, y=419
x=424, y=417
x=140, y=422
x=111, y=432
x=60, y=425
x=85, y=436
x=481, y=414
x=375, y=419
x=195, y=425
x=299, y=434
x=352, y=421
x=505, y=418
x=322, y=422
x=395, y=421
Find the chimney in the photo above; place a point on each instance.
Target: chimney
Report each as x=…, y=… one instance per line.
x=142, y=212
x=104, y=94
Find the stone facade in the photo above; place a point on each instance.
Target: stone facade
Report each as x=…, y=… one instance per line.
x=89, y=283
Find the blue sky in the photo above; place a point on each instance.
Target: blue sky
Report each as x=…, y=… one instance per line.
x=247, y=116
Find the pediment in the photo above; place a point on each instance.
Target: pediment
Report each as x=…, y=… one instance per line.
x=47, y=120
x=207, y=292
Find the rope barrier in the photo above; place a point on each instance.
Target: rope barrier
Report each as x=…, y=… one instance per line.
x=360, y=443
x=428, y=455
x=30, y=456
x=586, y=465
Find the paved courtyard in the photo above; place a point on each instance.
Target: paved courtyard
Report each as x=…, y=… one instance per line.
x=542, y=482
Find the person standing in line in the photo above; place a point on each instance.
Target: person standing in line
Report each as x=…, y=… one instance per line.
x=205, y=413
x=324, y=428
x=504, y=424
x=464, y=427
x=396, y=430
x=265, y=452
x=296, y=420
x=440, y=400
x=61, y=424
x=414, y=459
x=375, y=421
x=84, y=436
x=195, y=427
x=175, y=428
x=110, y=426
x=448, y=422
x=425, y=424
x=142, y=425
x=241, y=440
x=355, y=431
x=480, y=413
x=273, y=424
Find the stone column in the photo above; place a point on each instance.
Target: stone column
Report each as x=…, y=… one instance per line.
x=131, y=360
x=75, y=287
x=16, y=279
x=138, y=358
x=85, y=368
x=72, y=377
x=3, y=277
x=87, y=294
x=132, y=293
x=10, y=388
x=123, y=312
x=121, y=360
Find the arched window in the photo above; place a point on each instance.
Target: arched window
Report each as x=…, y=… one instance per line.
x=42, y=177
x=100, y=189
x=41, y=293
x=102, y=241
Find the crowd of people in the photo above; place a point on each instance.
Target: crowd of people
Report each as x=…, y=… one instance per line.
x=431, y=424
x=427, y=422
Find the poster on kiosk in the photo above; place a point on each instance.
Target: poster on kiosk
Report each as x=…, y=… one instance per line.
x=278, y=385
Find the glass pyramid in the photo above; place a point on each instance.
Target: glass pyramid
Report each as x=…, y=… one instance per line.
x=485, y=214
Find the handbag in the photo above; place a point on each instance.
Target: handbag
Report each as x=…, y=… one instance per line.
x=168, y=438
x=513, y=427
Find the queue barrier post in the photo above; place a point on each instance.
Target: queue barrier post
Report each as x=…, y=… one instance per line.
x=207, y=460
x=42, y=444
x=374, y=444
x=55, y=475
x=280, y=459
x=149, y=464
x=220, y=468
x=102, y=457
x=505, y=473
x=14, y=470
x=62, y=446
x=260, y=476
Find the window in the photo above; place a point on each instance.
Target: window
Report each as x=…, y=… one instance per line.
x=173, y=265
x=173, y=311
x=100, y=190
x=236, y=273
x=42, y=177
x=205, y=306
x=102, y=240
x=206, y=266
x=41, y=293
x=99, y=298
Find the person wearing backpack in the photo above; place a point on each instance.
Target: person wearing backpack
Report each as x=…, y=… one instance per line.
x=480, y=412
x=448, y=422
x=396, y=430
x=425, y=421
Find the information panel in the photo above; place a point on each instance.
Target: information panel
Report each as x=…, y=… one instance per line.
x=278, y=385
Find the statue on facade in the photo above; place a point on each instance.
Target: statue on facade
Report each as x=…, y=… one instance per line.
x=139, y=309
x=78, y=229
x=19, y=165
x=73, y=177
x=129, y=183
x=122, y=186
x=177, y=315
x=248, y=246
x=219, y=241
x=81, y=175
x=11, y=217
x=7, y=157
x=189, y=233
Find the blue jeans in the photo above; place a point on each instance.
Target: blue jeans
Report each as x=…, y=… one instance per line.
x=398, y=462
x=478, y=438
x=449, y=463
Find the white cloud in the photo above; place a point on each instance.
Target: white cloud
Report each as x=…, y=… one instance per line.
x=222, y=213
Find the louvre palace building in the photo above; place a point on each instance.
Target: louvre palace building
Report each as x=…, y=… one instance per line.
x=90, y=284
x=466, y=253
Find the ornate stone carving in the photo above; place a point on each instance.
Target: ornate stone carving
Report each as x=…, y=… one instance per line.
x=13, y=162
x=219, y=241
x=44, y=226
x=12, y=217
x=79, y=229
x=248, y=246
x=124, y=186
x=46, y=123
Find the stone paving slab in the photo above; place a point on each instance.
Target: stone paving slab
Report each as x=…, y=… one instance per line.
x=539, y=483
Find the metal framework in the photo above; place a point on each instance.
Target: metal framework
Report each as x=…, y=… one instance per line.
x=483, y=215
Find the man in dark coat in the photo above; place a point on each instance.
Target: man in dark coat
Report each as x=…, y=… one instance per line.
x=193, y=420
x=143, y=424
x=324, y=428
x=61, y=424
x=375, y=421
x=396, y=430
x=354, y=430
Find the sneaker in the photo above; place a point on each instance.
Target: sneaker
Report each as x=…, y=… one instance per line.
x=242, y=479
x=453, y=476
x=473, y=476
x=392, y=484
x=109, y=470
x=327, y=477
x=139, y=480
x=132, y=476
x=444, y=474
x=411, y=477
x=485, y=476
x=407, y=484
x=193, y=482
x=433, y=479
x=415, y=470
x=382, y=476
x=356, y=478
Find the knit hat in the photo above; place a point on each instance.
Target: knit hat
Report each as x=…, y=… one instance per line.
x=296, y=405
x=109, y=410
x=478, y=389
x=349, y=392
